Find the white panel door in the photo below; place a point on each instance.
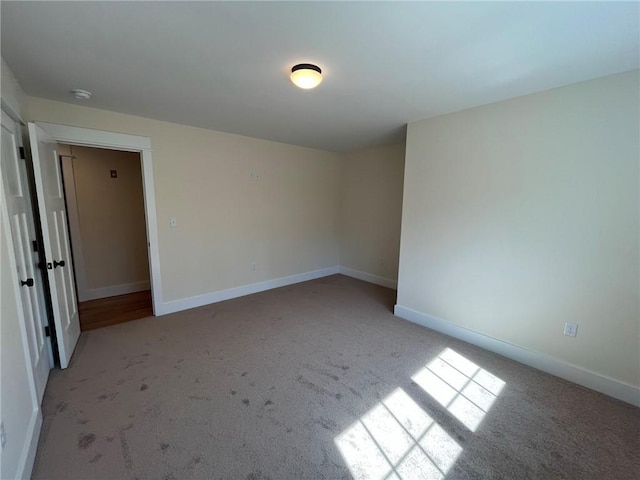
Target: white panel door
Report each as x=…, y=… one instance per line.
x=55, y=232
x=16, y=193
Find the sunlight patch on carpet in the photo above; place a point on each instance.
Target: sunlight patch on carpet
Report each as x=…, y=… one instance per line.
x=396, y=439
x=466, y=390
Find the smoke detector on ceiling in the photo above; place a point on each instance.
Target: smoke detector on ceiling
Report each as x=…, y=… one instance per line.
x=81, y=94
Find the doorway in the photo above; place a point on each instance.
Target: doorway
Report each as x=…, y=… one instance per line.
x=44, y=139
x=105, y=207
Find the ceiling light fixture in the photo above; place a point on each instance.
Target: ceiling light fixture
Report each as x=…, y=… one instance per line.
x=81, y=94
x=306, y=76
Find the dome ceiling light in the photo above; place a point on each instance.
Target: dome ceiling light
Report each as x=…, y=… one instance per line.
x=81, y=94
x=306, y=75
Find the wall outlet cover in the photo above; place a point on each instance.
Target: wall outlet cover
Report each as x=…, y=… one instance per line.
x=570, y=329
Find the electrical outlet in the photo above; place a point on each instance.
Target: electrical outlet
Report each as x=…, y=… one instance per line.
x=253, y=266
x=173, y=222
x=570, y=329
x=255, y=176
x=3, y=436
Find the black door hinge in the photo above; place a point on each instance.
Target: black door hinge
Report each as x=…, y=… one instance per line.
x=22, y=155
x=47, y=331
x=34, y=244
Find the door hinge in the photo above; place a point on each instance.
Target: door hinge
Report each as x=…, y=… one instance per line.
x=22, y=155
x=34, y=243
x=47, y=331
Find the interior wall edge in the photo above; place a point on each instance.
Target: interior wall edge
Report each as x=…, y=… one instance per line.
x=27, y=460
x=595, y=381
x=240, y=291
x=369, y=277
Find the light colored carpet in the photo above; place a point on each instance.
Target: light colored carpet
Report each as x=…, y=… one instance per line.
x=318, y=381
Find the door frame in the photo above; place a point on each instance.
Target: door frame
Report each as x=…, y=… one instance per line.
x=87, y=137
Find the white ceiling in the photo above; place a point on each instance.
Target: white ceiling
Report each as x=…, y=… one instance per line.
x=225, y=66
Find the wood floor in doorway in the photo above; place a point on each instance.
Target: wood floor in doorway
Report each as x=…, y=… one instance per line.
x=113, y=310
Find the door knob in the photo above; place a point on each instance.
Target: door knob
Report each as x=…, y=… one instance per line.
x=28, y=282
x=58, y=264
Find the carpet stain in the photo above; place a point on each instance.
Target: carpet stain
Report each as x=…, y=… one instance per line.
x=244, y=374
x=61, y=407
x=258, y=475
x=126, y=453
x=96, y=458
x=246, y=402
x=327, y=424
x=232, y=392
x=355, y=392
x=86, y=440
x=395, y=354
x=120, y=382
x=103, y=397
x=110, y=439
x=83, y=421
x=193, y=462
x=131, y=363
x=337, y=365
x=164, y=446
x=315, y=388
x=268, y=402
x=144, y=387
x=322, y=371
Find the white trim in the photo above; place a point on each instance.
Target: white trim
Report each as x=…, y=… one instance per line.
x=11, y=113
x=131, y=143
x=114, y=290
x=368, y=277
x=28, y=457
x=221, y=295
x=546, y=363
x=96, y=138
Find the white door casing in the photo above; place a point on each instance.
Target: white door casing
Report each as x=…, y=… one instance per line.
x=53, y=216
x=87, y=137
x=22, y=228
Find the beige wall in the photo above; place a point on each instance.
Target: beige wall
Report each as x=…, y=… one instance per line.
x=522, y=215
x=112, y=246
x=12, y=95
x=287, y=222
x=371, y=210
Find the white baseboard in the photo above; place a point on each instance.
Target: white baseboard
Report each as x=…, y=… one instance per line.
x=221, y=295
x=27, y=459
x=112, y=291
x=546, y=363
x=368, y=277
